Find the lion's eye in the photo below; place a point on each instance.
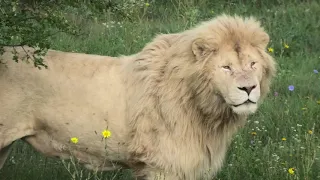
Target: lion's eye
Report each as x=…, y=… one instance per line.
x=226, y=67
x=253, y=63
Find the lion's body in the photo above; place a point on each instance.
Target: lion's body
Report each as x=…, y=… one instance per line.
x=158, y=105
x=75, y=97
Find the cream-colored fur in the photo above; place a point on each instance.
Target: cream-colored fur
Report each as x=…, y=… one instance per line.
x=172, y=108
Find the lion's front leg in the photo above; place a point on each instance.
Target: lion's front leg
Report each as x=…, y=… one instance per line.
x=160, y=175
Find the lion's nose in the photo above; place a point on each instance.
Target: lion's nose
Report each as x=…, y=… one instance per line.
x=247, y=89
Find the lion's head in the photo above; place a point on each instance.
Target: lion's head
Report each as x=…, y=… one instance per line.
x=227, y=58
x=234, y=53
x=223, y=60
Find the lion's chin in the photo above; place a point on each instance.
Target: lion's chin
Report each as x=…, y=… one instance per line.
x=245, y=109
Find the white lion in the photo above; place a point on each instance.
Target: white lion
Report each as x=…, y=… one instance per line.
x=171, y=109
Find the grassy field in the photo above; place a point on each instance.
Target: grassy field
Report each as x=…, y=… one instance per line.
x=282, y=135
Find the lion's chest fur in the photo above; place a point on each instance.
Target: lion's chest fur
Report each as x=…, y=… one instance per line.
x=191, y=157
x=174, y=140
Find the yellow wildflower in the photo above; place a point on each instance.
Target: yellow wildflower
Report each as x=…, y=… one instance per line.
x=253, y=133
x=291, y=170
x=74, y=140
x=304, y=108
x=284, y=139
x=106, y=133
x=310, y=132
x=286, y=46
x=147, y=4
x=270, y=49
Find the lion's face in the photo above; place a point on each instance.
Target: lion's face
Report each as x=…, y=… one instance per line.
x=240, y=71
x=237, y=77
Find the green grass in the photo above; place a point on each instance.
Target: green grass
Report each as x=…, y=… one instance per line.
x=251, y=157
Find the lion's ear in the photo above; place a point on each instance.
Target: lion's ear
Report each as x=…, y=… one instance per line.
x=201, y=48
x=261, y=40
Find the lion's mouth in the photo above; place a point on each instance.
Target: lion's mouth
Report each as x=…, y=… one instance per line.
x=246, y=102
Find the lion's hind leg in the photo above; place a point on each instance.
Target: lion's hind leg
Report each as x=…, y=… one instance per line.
x=4, y=153
x=9, y=133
